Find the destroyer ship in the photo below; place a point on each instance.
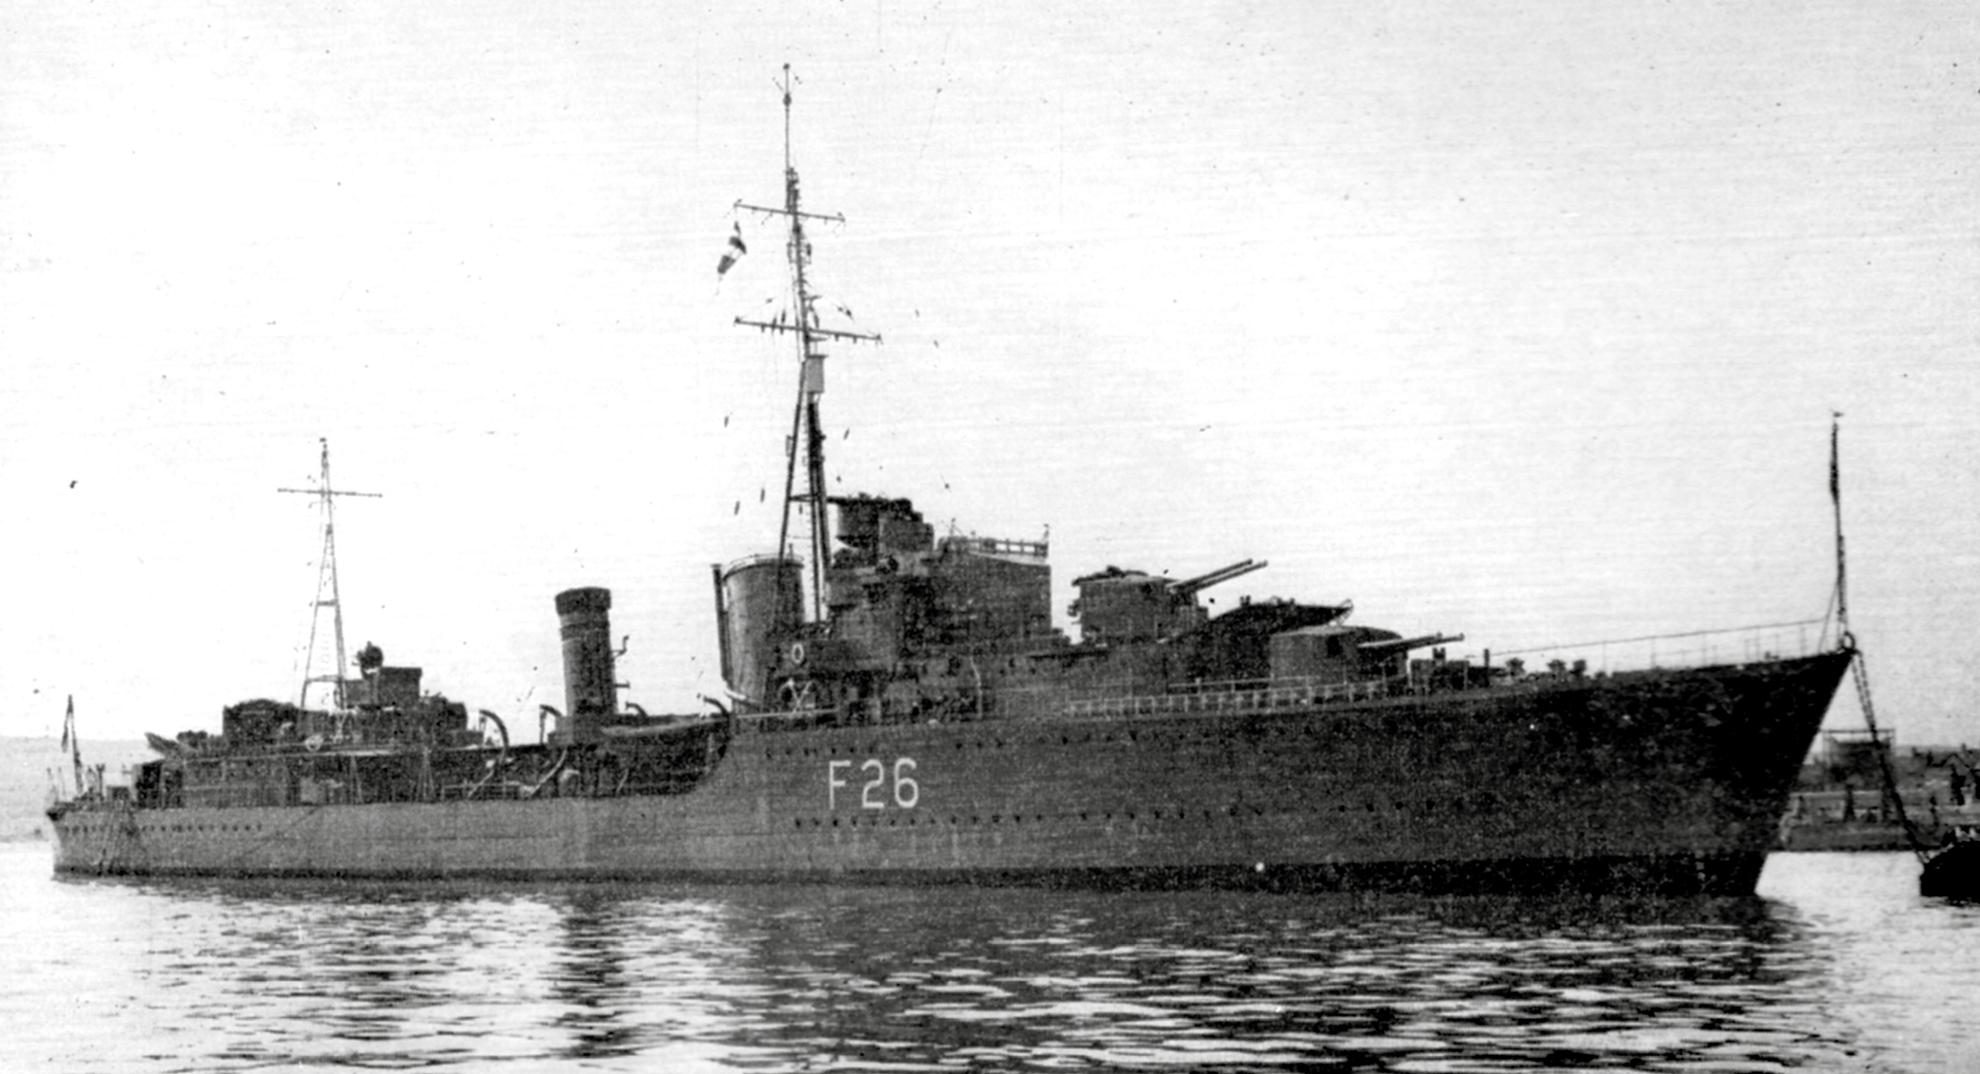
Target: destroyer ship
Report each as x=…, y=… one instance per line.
x=901, y=708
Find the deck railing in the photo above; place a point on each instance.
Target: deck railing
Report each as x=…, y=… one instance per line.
x=998, y=546
x=1694, y=648
x=1237, y=697
x=1698, y=648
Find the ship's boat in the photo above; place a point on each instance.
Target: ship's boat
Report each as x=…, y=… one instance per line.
x=1952, y=871
x=901, y=708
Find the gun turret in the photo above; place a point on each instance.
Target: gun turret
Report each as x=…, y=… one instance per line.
x=1190, y=587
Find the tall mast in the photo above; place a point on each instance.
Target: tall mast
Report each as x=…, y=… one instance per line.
x=1878, y=743
x=803, y=324
x=72, y=741
x=326, y=579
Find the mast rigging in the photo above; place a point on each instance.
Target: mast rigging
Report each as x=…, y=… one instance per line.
x=1894, y=801
x=803, y=324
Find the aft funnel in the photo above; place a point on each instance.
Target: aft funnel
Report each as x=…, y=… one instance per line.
x=589, y=689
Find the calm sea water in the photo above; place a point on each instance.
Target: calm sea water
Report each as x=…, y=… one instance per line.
x=1839, y=965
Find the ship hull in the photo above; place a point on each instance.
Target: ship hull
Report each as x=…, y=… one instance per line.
x=1665, y=782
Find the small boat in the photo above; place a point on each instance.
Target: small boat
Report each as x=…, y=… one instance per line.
x=1952, y=871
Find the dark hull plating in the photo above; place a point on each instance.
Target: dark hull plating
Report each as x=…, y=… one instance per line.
x=1666, y=782
x=1952, y=873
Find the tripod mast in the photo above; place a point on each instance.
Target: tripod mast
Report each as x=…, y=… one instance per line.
x=326, y=579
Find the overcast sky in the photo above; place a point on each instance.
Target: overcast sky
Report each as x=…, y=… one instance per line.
x=1522, y=321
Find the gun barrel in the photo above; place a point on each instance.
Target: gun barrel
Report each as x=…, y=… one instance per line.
x=1217, y=577
x=1394, y=644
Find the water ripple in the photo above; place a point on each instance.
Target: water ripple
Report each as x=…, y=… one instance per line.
x=240, y=976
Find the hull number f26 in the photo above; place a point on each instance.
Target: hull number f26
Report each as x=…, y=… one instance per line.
x=873, y=783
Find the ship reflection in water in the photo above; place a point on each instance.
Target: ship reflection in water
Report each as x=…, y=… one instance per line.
x=276, y=974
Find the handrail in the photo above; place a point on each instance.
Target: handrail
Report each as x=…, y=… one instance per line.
x=1691, y=648
x=1660, y=637
x=1284, y=693
x=999, y=546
